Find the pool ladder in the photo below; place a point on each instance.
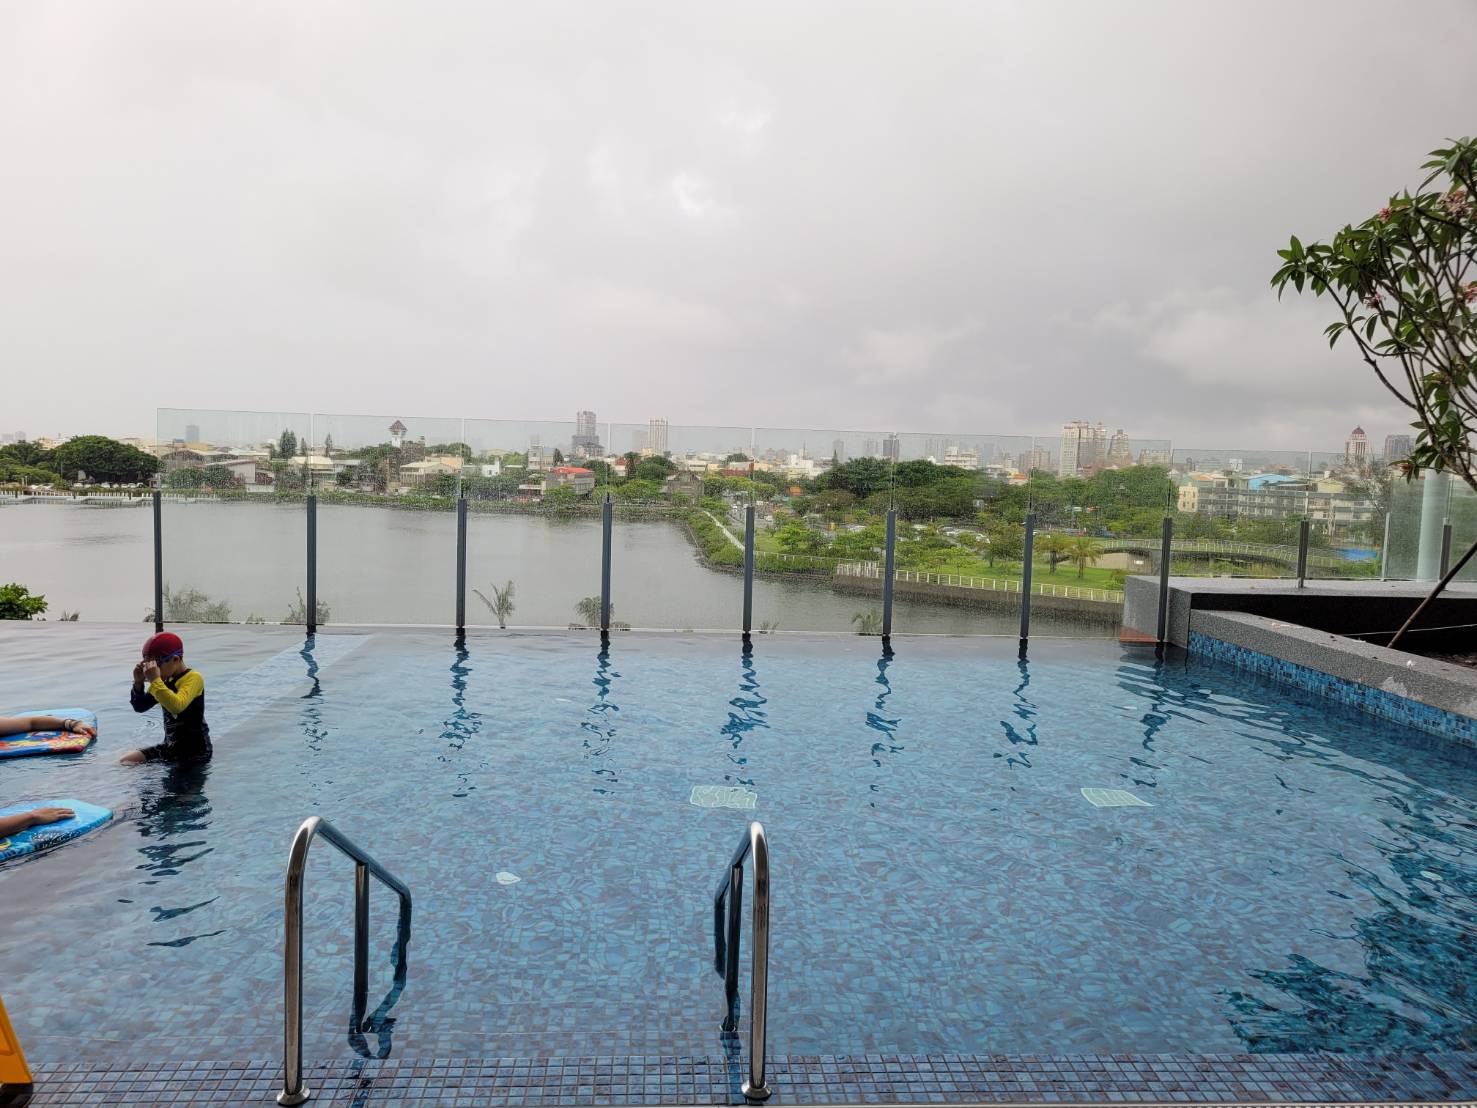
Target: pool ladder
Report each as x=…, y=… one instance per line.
x=727, y=928
x=293, y=1089
x=726, y=950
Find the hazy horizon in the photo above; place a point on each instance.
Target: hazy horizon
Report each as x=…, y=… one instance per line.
x=953, y=218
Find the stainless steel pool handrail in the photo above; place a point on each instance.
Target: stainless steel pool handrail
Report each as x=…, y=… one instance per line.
x=726, y=950
x=293, y=1089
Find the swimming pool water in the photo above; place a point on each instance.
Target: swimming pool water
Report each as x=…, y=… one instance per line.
x=1303, y=877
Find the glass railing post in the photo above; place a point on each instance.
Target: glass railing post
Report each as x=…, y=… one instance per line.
x=1166, y=553
x=310, y=616
x=1030, y=546
x=461, y=566
x=1445, y=548
x=607, y=522
x=1385, y=549
x=158, y=561
x=887, y=574
x=748, y=570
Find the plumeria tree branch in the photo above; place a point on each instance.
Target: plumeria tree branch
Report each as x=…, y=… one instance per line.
x=1403, y=284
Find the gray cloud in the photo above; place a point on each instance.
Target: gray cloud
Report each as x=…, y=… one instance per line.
x=951, y=217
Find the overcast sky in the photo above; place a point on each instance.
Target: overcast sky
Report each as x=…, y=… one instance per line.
x=966, y=217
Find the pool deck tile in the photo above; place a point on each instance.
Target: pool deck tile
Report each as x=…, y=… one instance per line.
x=797, y=1079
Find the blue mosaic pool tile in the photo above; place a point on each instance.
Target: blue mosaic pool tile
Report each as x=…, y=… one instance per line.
x=797, y=1079
x=1375, y=701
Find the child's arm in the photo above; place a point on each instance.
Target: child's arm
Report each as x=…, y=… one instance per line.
x=176, y=700
x=19, y=725
x=12, y=825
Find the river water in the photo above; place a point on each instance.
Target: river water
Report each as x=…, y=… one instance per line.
x=382, y=565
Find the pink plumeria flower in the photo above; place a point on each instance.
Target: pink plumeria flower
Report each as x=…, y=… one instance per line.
x=1385, y=214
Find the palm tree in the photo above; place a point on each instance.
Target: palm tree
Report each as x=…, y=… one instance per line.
x=1057, y=549
x=501, y=604
x=1083, y=552
x=588, y=610
x=867, y=623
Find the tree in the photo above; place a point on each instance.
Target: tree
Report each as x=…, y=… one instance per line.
x=297, y=614
x=24, y=453
x=191, y=606
x=16, y=602
x=861, y=477
x=1085, y=551
x=1057, y=549
x=287, y=444
x=501, y=604
x=588, y=610
x=558, y=456
x=1402, y=282
x=1007, y=543
x=104, y=459
x=655, y=469
x=736, y=458
x=561, y=496
x=328, y=446
x=796, y=538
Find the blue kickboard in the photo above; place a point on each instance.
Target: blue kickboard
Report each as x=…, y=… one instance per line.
x=49, y=742
x=87, y=817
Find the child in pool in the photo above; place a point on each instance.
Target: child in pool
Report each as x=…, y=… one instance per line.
x=19, y=725
x=161, y=677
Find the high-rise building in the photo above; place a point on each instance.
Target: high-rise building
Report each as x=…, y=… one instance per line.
x=1038, y=457
x=961, y=456
x=869, y=448
x=1356, y=450
x=1119, y=453
x=891, y=448
x=1083, y=448
x=656, y=436
x=192, y=432
x=586, y=441
x=535, y=452
x=1397, y=448
x=838, y=451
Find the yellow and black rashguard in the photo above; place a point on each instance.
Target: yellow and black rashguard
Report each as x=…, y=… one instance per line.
x=186, y=734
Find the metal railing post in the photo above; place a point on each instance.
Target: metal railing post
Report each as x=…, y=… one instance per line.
x=1166, y=553
x=461, y=566
x=310, y=617
x=1303, y=529
x=361, y=939
x=888, y=563
x=607, y=524
x=1445, y=547
x=1026, y=582
x=748, y=570
x=158, y=561
x=726, y=933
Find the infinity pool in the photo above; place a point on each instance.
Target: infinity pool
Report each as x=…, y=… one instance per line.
x=1301, y=878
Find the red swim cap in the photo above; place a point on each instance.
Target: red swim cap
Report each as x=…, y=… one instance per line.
x=164, y=645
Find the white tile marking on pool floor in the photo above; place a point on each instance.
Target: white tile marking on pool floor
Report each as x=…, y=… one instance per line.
x=239, y=698
x=1113, y=798
x=722, y=796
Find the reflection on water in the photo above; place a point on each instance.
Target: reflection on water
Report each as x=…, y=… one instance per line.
x=879, y=720
x=600, y=730
x=379, y=1022
x=312, y=719
x=746, y=713
x=173, y=818
x=1020, y=730
x=463, y=723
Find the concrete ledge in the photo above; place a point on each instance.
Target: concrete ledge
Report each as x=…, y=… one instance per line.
x=1438, y=697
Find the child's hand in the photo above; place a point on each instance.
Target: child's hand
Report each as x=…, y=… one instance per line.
x=138, y=672
x=151, y=671
x=39, y=816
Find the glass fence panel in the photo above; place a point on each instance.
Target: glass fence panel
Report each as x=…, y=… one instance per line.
x=232, y=518
x=1462, y=512
x=386, y=489
x=89, y=555
x=533, y=523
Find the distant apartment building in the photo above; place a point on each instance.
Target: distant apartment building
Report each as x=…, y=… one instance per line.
x=1356, y=450
x=1119, y=452
x=961, y=456
x=581, y=480
x=1038, y=457
x=586, y=441
x=869, y=449
x=1155, y=456
x=1397, y=448
x=838, y=451
x=656, y=436
x=1083, y=448
x=891, y=448
x=1274, y=496
x=397, y=434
